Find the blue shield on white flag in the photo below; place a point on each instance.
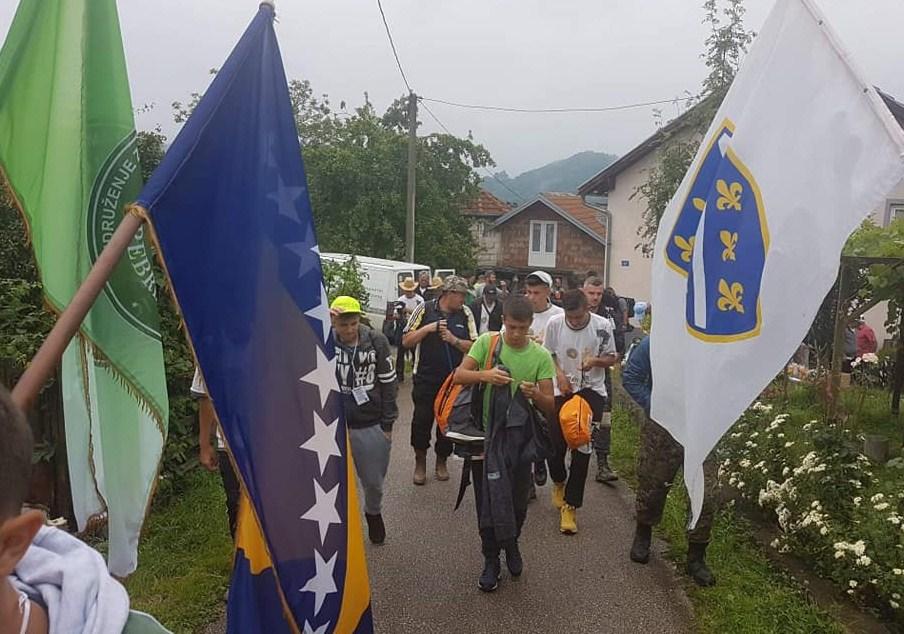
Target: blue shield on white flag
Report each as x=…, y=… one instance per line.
x=800, y=151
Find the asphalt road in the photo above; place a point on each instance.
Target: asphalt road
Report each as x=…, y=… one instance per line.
x=424, y=578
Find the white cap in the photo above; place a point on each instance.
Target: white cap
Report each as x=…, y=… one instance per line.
x=543, y=276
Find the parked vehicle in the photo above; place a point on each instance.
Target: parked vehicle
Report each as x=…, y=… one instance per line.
x=381, y=280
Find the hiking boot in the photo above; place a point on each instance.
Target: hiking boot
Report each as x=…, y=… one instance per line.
x=696, y=565
x=604, y=473
x=376, y=530
x=442, y=473
x=420, y=466
x=568, y=522
x=558, y=495
x=489, y=578
x=640, y=549
x=540, y=473
x=513, y=560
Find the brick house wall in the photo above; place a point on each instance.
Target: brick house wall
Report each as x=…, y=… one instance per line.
x=576, y=252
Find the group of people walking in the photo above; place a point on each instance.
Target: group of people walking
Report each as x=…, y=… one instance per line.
x=523, y=358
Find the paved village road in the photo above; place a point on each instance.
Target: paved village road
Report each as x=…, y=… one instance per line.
x=424, y=578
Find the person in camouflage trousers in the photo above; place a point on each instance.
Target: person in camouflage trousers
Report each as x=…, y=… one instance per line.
x=660, y=458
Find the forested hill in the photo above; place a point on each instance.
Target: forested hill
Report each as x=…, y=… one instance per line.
x=559, y=176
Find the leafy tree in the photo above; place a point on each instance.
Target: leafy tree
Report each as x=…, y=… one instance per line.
x=724, y=49
x=357, y=171
x=344, y=278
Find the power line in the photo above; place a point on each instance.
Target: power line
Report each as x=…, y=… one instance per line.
x=629, y=106
x=392, y=44
x=489, y=173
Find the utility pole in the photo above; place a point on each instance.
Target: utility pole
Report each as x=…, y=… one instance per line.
x=412, y=160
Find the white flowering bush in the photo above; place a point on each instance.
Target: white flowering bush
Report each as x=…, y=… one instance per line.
x=834, y=509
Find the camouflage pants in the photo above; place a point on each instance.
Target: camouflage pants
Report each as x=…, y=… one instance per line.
x=660, y=458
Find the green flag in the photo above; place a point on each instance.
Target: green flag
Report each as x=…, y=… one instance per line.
x=69, y=154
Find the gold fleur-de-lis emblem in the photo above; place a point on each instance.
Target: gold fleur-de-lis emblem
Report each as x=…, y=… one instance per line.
x=730, y=240
x=686, y=246
x=699, y=204
x=732, y=296
x=729, y=195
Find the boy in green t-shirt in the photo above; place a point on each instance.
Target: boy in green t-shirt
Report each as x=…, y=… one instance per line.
x=528, y=367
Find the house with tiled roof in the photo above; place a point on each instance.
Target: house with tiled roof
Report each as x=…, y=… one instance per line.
x=559, y=233
x=483, y=213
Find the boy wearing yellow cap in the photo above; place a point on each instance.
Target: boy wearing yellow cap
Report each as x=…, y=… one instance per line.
x=367, y=381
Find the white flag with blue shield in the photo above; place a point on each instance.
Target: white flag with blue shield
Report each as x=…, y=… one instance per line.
x=801, y=150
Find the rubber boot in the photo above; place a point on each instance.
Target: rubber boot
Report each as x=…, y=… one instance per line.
x=376, y=530
x=442, y=473
x=696, y=565
x=640, y=549
x=604, y=473
x=513, y=560
x=420, y=466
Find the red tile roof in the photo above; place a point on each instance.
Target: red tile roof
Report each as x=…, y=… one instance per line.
x=583, y=214
x=487, y=205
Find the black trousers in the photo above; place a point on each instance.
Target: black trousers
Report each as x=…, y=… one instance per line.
x=232, y=487
x=575, y=476
x=423, y=421
x=521, y=481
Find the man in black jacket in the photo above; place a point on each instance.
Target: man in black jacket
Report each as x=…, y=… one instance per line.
x=367, y=381
x=487, y=310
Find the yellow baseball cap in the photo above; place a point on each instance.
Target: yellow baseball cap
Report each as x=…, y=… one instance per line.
x=346, y=305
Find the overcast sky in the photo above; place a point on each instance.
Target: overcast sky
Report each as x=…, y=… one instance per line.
x=523, y=53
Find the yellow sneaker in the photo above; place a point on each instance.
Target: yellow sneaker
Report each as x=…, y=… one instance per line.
x=558, y=494
x=568, y=524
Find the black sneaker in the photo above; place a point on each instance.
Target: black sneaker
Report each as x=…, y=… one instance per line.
x=489, y=578
x=513, y=560
x=376, y=530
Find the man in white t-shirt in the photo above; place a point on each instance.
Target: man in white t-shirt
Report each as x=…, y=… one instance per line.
x=583, y=345
x=407, y=302
x=537, y=288
x=219, y=459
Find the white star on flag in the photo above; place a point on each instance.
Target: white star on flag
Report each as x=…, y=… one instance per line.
x=322, y=583
x=323, y=376
x=321, y=313
x=323, y=442
x=303, y=251
x=324, y=510
x=320, y=630
x=285, y=198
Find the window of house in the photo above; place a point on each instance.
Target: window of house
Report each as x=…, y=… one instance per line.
x=542, y=244
x=897, y=212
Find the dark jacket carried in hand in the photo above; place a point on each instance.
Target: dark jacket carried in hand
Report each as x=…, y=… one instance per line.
x=367, y=365
x=495, y=323
x=512, y=441
x=637, y=376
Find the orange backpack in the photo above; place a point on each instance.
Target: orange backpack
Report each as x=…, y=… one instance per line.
x=575, y=417
x=455, y=400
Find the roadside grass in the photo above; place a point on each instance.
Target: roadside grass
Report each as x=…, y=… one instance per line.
x=751, y=595
x=185, y=558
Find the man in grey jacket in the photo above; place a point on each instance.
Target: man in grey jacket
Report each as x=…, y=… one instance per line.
x=367, y=381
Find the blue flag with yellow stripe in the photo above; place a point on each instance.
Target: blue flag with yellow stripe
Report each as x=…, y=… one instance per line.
x=231, y=215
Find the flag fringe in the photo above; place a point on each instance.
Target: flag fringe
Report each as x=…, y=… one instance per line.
x=141, y=212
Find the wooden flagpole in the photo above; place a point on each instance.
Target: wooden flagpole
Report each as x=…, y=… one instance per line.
x=51, y=351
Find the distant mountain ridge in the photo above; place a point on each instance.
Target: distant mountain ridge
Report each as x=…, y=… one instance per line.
x=563, y=176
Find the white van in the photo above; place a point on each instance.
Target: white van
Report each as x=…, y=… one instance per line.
x=381, y=280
